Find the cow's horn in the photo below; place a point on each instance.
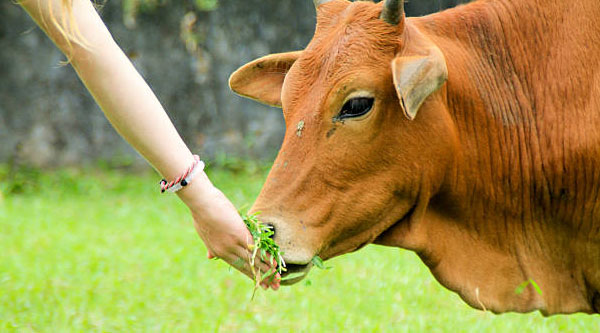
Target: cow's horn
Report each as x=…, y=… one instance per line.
x=392, y=12
x=320, y=2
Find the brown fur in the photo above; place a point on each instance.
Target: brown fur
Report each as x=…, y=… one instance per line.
x=497, y=179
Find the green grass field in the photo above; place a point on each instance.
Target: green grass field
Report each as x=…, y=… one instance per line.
x=103, y=251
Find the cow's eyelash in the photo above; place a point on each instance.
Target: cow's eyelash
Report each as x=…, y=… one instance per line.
x=356, y=107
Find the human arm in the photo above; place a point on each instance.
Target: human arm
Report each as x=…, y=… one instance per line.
x=135, y=112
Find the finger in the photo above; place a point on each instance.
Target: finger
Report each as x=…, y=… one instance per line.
x=274, y=281
x=275, y=286
x=240, y=263
x=264, y=268
x=269, y=262
x=271, y=278
x=259, y=262
x=243, y=259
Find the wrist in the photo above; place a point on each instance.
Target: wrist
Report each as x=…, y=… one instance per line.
x=183, y=179
x=196, y=193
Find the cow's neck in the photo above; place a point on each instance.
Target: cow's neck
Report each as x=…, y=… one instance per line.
x=512, y=65
x=522, y=81
x=519, y=86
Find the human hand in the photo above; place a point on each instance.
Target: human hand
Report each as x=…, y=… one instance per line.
x=221, y=228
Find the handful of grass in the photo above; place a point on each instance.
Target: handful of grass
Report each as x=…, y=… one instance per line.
x=263, y=246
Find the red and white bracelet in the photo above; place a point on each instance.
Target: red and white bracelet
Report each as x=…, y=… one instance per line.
x=183, y=180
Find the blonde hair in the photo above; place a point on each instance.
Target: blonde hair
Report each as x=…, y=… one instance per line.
x=63, y=21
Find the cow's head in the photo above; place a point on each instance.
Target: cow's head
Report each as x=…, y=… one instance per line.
x=366, y=129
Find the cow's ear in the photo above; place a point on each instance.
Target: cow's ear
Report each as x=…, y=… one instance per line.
x=416, y=76
x=261, y=79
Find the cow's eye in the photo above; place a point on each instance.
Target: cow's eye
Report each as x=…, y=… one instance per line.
x=356, y=107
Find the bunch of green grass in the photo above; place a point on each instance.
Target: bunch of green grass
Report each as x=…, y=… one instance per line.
x=263, y=246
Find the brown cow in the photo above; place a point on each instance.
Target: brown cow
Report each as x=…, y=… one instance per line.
x=471, y=136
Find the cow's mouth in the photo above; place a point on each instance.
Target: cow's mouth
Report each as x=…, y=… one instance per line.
x=294, y=273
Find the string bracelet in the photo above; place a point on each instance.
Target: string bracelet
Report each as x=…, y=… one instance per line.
x=184, y=179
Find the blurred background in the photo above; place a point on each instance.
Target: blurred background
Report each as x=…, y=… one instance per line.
x=186, y=50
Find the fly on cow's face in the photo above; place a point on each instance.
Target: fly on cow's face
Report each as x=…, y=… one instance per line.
x=355, y=107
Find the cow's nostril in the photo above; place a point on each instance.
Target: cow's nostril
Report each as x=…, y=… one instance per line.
x=272, y=227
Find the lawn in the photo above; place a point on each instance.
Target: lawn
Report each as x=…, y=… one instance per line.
x=103, y=251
